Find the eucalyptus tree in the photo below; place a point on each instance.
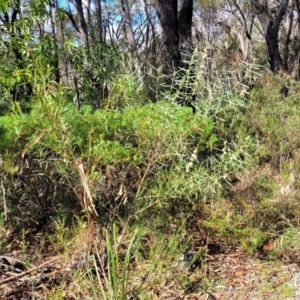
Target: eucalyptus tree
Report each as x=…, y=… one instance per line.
x=128, y=24
x=270, y=21
x=28, y=47
x=176, y=31
x=278, y=22
x=82, y=24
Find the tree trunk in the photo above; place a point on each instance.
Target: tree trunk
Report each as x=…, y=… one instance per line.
x=167, y=15
x=275, y=59
x=150, y=29
x=127, y=24
x=63, y=63
x=99, y=19
x=82, y=24
x=177, y=47
x=89, y=20
x=54, y=33
x=185, y=29
x=287, y=41
x=270, y=27
x=296, y=57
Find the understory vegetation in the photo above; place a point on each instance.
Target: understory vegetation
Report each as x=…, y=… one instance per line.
x=149, y=149
x=140, y=193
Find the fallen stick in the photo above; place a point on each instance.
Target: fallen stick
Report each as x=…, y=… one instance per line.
x=27, y=272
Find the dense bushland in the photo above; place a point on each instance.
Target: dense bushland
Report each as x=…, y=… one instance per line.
x=136, y=171
x=157, y=154
x=156, y=173
x=151, y=171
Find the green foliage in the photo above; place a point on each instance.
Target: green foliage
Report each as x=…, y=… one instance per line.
x=206, y=4
x=117, y=269
x=183, y=150
x=289, y=240
x=119, y=97
x=26, y=60
x=97, y=69
x=218, y=145
x=274, y=118
x=234, y=228
x=155, y=164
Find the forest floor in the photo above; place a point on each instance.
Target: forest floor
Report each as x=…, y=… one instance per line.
x=73, y=264
x=235, y=275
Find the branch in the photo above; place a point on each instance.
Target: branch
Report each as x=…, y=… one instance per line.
x=252, y=23
x=3, y=188
x=70, y=15
x=89, y=208
x=281, y=12
x=243, y=17
x=27, y=272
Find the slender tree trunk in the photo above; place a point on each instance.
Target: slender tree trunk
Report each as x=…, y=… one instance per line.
x=185, y=28
x=271, y=27
x=82, y=24
x=150, y=29
x=99, y=19
x=128, y=24
x=187, y=73
x=275, y=59
x=167, y=15
x=89, y=20
x=64, y=63
x=54, y=33
x=177, y=47
x=296, y=56
x=287, y=41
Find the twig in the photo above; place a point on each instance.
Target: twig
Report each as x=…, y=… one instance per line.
x=2, y=188
x=89, y=208
x=143, y=179
x=42, y=134
x=28, y=271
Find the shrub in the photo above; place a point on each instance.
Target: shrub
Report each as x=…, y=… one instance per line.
x=132, y=158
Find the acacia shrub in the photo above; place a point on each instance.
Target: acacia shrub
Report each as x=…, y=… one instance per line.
x=140, y=156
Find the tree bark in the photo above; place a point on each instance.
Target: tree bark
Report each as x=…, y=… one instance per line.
x=54, y=33
x=296, y=56
x=287, y=41
x=150, y=29
x=270, y=27
x=99, y=19
x=82, y=24
x=128, y=24
x=185, y=17
x=167, y=15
